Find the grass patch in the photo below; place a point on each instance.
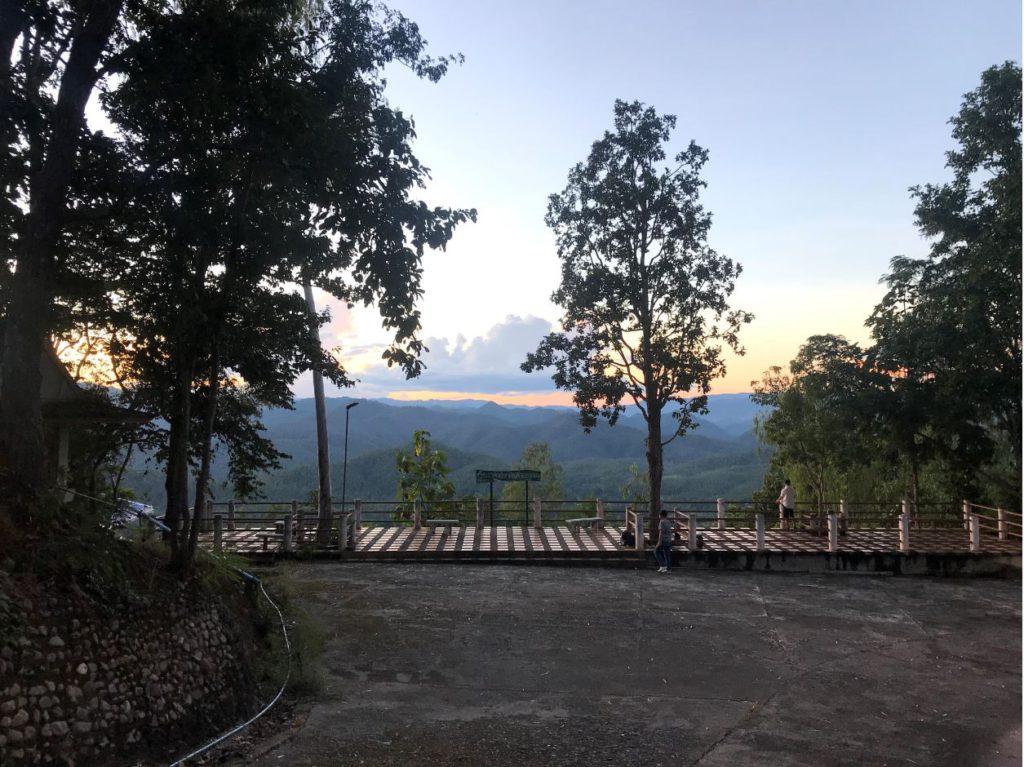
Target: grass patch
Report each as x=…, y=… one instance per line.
x=306, y=636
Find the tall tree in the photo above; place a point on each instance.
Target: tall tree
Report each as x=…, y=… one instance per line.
x=423, y=473
x=812, y=424
x=44, y=86
x=537, y=456
x=286, y=166
x=645, y=299
x=954, y=318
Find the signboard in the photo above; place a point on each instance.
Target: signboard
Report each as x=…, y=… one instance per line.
x=486, y=475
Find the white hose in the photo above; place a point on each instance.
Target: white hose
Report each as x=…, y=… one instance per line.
x=266, y=708
x=284, y=631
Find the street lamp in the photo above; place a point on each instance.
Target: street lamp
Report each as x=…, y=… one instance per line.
x=344, y=465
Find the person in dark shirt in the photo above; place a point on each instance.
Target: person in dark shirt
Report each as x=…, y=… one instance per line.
x=663, y=551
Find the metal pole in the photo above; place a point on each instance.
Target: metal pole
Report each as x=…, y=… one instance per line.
x=344, y=463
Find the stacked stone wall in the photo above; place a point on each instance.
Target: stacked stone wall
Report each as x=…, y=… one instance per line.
x=82, y=683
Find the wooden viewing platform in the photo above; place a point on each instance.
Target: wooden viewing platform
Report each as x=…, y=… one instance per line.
x=844, y=541
x=389, y=542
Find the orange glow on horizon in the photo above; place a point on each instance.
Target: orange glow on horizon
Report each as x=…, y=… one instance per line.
x=529, y=399
x=532, y=399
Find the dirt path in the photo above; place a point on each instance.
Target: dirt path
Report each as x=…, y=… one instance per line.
x=521, y=666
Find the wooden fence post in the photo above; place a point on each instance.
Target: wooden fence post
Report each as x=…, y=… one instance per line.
x=844, y=517
x=1001, y=523
x=833, y=533
x=479, y=512
x=967, y=514
x=286, y=544
x=417, y=514
x=218, y=533
x=538, y=513
x=357, y=519
x=759, y=531
x=720, y=508
x=342, y=530
x=782, y=519
x=691, y=532
x=599, y=508
x=231, y=514
x=905, y=529
x=640, y=544
x=975, y=524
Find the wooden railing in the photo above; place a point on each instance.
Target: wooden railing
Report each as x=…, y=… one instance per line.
x=293, y=524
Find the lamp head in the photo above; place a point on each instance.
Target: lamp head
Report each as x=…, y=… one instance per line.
x=351, y=405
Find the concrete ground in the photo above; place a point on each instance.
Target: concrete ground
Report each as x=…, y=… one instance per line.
x=497, y=665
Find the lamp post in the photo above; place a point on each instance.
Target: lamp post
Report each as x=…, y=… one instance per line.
x=344, y=464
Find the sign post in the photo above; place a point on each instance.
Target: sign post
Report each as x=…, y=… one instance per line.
x=518, y=475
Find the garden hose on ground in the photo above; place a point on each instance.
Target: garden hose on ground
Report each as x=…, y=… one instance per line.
x=249, y=578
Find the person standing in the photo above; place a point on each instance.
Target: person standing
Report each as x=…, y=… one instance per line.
x=663, y=551
x=787, y=500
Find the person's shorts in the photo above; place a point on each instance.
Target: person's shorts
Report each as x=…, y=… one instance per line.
x=787, y=513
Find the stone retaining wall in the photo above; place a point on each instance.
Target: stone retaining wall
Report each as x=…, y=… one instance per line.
x=81, y=683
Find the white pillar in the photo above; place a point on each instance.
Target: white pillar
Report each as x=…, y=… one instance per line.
x=537, y=513
x=905, y=532
x=1001, y=522
x=844, y=516
x=759, y=531
x=691, y=532
x=721, y=513
x=297, y=516
x=600, y=512
x=975, y=524
x=640, y=532
x=479, y=511
x=906, y=507
x=782, y=518
x=967, y=514
x=357, y=519
x=417, y=514
x=833, y=533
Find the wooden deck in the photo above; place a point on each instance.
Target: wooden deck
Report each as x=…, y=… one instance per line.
x=519, y=542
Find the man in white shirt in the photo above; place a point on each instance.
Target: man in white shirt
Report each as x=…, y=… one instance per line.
x=787, y=502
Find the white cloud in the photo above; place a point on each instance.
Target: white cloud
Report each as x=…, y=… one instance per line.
x=486, y=364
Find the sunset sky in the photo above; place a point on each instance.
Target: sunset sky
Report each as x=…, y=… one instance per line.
x=817, y=115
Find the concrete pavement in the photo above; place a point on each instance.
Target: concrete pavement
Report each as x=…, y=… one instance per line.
x=499, y=665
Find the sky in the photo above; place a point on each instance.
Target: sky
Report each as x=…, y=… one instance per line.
x=818, y=116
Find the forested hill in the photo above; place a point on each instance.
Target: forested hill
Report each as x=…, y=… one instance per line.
x=720, y=457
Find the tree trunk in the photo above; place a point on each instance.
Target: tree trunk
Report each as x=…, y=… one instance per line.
x=22, y=446
x=654, y=465
x=203, y=478
x=176, y=482
x=323, y=451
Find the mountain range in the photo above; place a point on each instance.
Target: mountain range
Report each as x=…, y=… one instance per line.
x=719, y=458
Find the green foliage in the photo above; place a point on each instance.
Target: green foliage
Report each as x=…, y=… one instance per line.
x=948, y=331
x=645, y=299
x=932, y=409
x=636, y=490
x=306, y=636
x=537, y=456
x=422, y=473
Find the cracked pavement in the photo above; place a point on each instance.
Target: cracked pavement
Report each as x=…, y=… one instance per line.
x=521, y=666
